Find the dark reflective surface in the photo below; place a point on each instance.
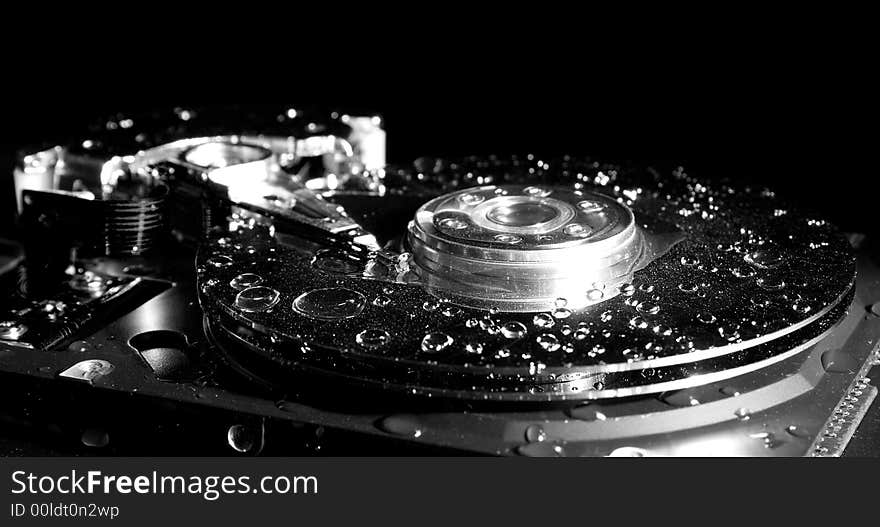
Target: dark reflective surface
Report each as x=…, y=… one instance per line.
x=217, y=411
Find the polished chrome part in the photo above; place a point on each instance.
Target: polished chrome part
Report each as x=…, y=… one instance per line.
x=40, y=325
x=343, y=165
x=520, y=248
x=846, y=417
x=219, y=154
x=126, y=210
x=88, y=371
x=37, y=172
x=368, y=140
x=248, y=170
x=303, y=157
x=134, y=217
x=11, y=330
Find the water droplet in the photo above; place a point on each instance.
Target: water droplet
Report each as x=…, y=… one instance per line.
x=798, y=431
x=765, y=258
x=689, y=261
x=688, y=287
x=256, y=299
x=560, y=302
x=730, y=391
x=242, y=438
x=838, y=361
x=768, y=438
x=628, y=451
x=510, y=239
x=513, y=330
x=743, y=272
x=338, y=264
x=706, y=318
x=561, y=312
x=543, y=320
x=589, y=206
x=402, y=425
x=594, y=295
x=743, y=414
x=245, y=280
x=606, y=316
x=648, y=308
x=535, y=434
x=471, y=199
x=662, y=329
x=761, y=300
x=472, y=323
x=770, y=283
x=646, y=288
x=681, y=398
x=95, y=438
x=334, y=303
x=627, y=289
x=638, y=322
x=730, y=334
x=79, y=346
x=547, y=341
x=801, y=308
x=381, y=301
x=587, y=412
x=220, y=261
x=577, y=230
x=542, y=449
x=373, y=338
x=436, y=342
x=474, y=347
x=489, y=325
x=451, y=311
x=537, y=192
x=453, y=223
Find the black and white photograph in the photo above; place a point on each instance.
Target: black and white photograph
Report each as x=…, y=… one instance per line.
x=641, y=267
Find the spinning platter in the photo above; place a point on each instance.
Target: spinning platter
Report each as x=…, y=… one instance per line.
x=572, y=294
x=448, y=294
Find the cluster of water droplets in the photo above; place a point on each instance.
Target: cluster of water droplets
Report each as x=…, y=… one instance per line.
x=723, y=285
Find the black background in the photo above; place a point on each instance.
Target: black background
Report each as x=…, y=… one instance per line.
x=796, y=119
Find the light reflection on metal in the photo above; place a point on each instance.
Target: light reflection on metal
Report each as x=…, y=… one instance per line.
x=520, y=248
x=88, y=371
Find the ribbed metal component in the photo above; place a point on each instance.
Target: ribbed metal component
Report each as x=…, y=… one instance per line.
x=519, y=248
x=135, y=226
